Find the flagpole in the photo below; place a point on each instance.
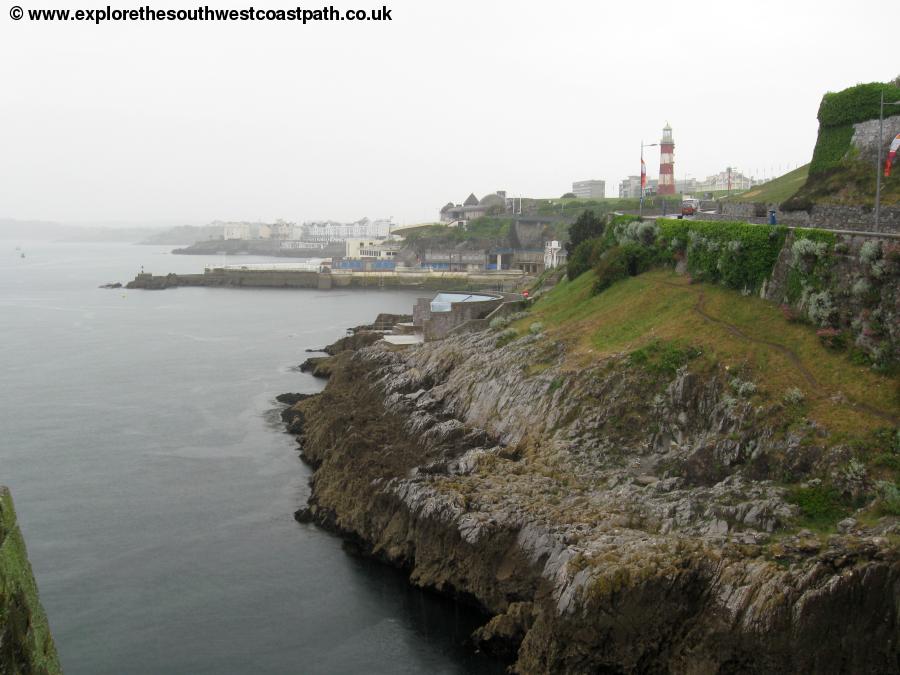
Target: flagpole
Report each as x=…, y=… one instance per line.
x=641, y=201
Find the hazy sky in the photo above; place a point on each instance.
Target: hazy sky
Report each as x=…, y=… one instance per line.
x=190, y=122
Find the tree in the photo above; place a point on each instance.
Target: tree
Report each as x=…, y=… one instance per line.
x=568, y=195
x=588, y=226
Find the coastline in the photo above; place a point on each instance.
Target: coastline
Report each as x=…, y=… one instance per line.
x=430, y=460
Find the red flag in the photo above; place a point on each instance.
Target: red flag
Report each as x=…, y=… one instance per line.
x=892, y=153
x=643, y=173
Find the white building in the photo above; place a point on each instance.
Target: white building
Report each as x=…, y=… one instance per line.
x=591, y=189
x=246, y=231
x=329, y=230
x=554, y=255
x=729, y=179
x=630, y=188
x=356, y=249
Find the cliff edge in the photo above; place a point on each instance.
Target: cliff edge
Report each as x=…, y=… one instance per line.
x=619, y=497
x=26, y=645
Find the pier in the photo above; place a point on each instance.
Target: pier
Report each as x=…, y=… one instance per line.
x=300, y=275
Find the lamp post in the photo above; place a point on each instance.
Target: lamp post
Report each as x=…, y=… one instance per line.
x=878, y=168
x=643, y=176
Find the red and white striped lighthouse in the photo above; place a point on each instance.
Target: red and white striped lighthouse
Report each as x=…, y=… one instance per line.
x=666, y=163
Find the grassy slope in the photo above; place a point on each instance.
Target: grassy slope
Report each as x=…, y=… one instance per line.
x=777, y=190
x=661, y=305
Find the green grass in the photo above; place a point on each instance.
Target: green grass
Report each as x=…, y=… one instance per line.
x=820, y=506
x=22, y=619
x=776, y=190
x=660, y=306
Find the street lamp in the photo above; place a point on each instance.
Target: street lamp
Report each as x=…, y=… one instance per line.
x=643, y=176
x=878, y=169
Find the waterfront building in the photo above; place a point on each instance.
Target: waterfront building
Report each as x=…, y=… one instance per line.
x=329, y=230
x=358, y=249
x=590, y=189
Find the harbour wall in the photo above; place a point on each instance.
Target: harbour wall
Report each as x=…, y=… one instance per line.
x=268, y=278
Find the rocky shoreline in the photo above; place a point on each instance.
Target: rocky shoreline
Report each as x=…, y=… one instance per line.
x=609, y=518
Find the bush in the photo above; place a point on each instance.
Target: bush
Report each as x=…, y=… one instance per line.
x=820, y=308
x=888, y=498
x=585, y=256
x=820, y=505
x=743, y=388
x=663, y=357
x=505, y=337
x=832, y=338
x=587, y=226
x=793, y=396
x=499, y=322
x=613, y=266
x=624, y=261
x=536, y=327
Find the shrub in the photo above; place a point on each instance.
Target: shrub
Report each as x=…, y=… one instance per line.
x=832, y=338
x=807, y=251
x=612, y=267
x=820, y=505
x=793, y=396
x=861, y=288
x=499, y=322
x=536, y=327
x=820, y=308
x=505, y=337
x=584, y=257
x=869, y=252
x=663, y=357
x=888, y=498
x=743, y=388
x=623, y=261
x=587, y=226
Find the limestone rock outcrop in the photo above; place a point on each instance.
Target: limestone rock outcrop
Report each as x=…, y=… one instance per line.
x=609, y=518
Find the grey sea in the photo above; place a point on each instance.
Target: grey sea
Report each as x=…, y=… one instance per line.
x=155, y=486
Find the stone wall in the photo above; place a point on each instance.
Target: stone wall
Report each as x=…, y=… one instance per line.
x=825, y=216
x=436, y=325
x=865, y=137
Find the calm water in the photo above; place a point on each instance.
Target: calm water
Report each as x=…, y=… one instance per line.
x=155, y=486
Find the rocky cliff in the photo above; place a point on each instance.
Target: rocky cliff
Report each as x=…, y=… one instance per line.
x=26, y=645
x=624, y=514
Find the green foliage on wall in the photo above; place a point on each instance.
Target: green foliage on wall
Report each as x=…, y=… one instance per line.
x=855, y=104
x=737, y=255
x=831, y=147
x=838, y=112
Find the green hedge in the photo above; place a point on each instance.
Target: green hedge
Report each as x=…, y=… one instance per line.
x=855, y=104
x=831, y=147
x=737, y=255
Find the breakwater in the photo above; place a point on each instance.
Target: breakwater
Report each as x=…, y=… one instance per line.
x=273, y=277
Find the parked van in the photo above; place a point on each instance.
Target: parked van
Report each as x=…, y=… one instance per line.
x=689, y=206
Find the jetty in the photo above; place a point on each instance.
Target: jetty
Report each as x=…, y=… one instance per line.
x=308, y=275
